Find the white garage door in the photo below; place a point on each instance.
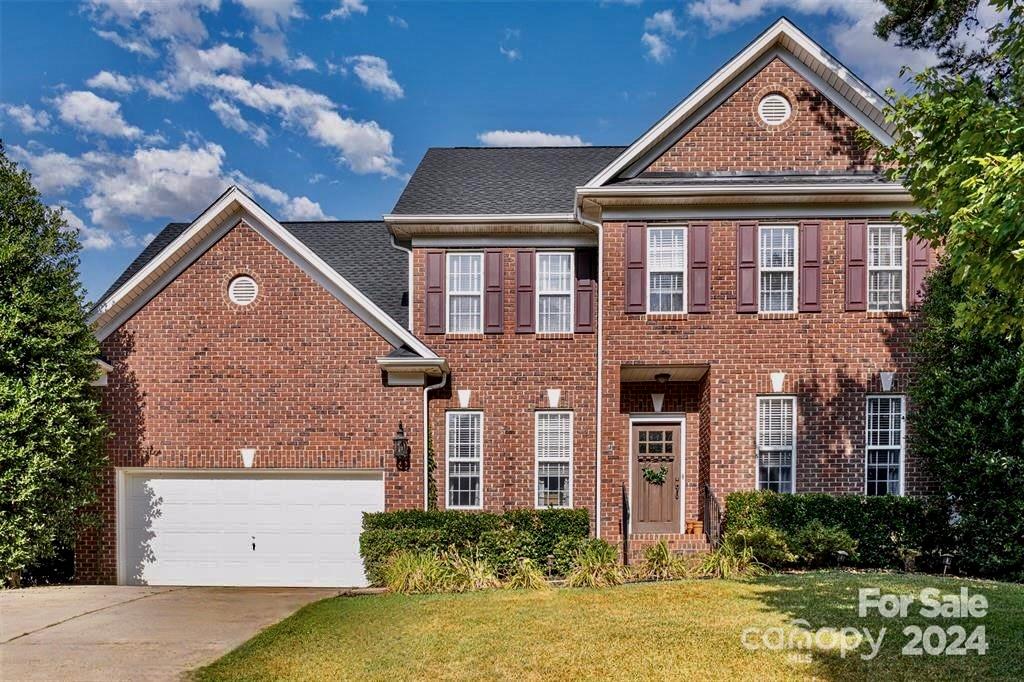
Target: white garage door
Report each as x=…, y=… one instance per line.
x=252, y=528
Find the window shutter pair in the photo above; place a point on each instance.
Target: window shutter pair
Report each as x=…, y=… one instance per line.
x=809, y=267
x=698, y=268
x=584, y=291
x=918, y=259
x=493, y=309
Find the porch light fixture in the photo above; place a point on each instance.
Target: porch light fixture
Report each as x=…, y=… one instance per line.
x=886, y=380
x=248, y=454
x=402, y=449
x=662, y=377
x=778, y=379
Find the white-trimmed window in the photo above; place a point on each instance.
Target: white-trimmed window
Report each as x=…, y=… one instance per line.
x=886, y=272
x=553, y=442
x=465, y=293
x=666, y=269
x=884, y=466
x=776, y=443
x=777, y=266
x=464, y=454
x=554, y=292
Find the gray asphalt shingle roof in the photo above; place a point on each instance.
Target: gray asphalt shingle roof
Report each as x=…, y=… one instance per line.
x=360, y=251
x=499, y=180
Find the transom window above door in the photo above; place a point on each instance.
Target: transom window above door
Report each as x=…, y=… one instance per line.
x=554, y=292
x=465, y=293
x=777, y=264
x=666, y=269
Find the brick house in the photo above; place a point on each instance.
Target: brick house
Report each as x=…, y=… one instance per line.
x=725, y=304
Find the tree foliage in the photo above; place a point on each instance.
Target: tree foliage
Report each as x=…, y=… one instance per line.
x=959, y=150
x=967, y=422
x=51, y=431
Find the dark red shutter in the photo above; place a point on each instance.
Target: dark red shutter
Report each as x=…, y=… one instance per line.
x=636, y=268
x=856, y=265
x=586, y=290
x=919, y=252
x=434, y=313
x=746, y=267
x=494, y=308
x=525, y=260
x=699, y=268
x=810, y=267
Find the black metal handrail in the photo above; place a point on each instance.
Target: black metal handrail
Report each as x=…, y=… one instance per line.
x=625, y=525
x=712, y=517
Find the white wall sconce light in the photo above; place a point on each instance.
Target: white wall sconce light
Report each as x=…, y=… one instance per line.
x=464, y=396
x=885, y=378
x=248, y=455
x=778, y=380
x=554, y=397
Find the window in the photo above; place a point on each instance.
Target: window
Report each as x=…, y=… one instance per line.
x=464, y=456
x=554, y=293
x=884, y=445
x=885, y=267
x=776, y=443
x=778, y=269
x=553, y=438
x=666, y=267
x=465, y=293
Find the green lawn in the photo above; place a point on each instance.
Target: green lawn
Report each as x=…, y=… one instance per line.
x=648, y=631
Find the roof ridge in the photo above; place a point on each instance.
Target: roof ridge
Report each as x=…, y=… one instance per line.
x=346, y=220
x=579, y=146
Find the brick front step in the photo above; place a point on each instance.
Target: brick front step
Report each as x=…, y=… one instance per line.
x=677, y=542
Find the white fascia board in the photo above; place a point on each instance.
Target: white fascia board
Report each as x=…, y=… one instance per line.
x=235, y=198
x=431, y=366
x=482, y=218
x=884, y=189
x=103, y=366
x=781, y=29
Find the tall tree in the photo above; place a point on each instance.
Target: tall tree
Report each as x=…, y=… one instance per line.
x=51, y=430
x=959, y=150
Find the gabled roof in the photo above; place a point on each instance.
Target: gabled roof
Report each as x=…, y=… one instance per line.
x=500, y=180
x=784, y=40
x=323, y=249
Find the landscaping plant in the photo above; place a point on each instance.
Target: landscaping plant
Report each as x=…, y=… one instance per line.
x=526, y=575
x=596, y=565
x=661, y=564
x=409, y=572
x=731, y=562
x=768, y=545
x=468, y=574
x=818, y=545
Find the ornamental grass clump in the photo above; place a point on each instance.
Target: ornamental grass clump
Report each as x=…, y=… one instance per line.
x=468, y=574
x=661, y=564
x=596, y=565
x=731, y=562
x=526, y=576
x=409, y=572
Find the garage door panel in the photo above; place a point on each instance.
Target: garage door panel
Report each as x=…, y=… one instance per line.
x=199, y=528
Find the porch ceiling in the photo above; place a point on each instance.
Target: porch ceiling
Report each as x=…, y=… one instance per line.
x=637, y=373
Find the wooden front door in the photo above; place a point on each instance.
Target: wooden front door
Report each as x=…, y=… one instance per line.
x=656, y=451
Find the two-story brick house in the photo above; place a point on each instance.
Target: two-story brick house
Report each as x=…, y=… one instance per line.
x=725, y=304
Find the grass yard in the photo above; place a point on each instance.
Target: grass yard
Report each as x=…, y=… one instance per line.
x=677, y=630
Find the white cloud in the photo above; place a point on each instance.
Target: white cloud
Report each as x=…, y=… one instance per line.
x=111, y=80
x=347, y=8
x=91, y=238
x=374, y=74
x=335, y=69
x=273, y=13
x=163, y=20
x=230, y=117
x=301, y=63
x=528, y=138
x=511, y=53
x=658, y=48
x=134, y=46
x=397, y=21
x=663, y=22
x=659, y=29
x=303, y=208
x=273, y=47
x=27, y=118
x=51, y=171
x=316, y=177
x=93, y=114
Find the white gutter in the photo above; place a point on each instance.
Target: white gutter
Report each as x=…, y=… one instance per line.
x=483, y=218
x=888, y=188
x=410, y=284
x=426, y=443
x=599, y=228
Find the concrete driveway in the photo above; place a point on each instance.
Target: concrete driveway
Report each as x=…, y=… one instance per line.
x=130, y=633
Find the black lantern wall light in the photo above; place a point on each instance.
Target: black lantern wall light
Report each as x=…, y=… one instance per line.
x=402, y=450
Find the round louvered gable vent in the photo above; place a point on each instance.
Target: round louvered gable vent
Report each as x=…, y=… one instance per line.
x=242, y=290
x=774, y=110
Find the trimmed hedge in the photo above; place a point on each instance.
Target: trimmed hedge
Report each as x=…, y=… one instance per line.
x=886, y=528
x=531, y=533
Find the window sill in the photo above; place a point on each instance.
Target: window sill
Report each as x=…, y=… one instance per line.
x=777, y=316
x=664, y=317
x=886, y=314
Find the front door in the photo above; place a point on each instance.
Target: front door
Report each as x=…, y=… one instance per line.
x=656, y=467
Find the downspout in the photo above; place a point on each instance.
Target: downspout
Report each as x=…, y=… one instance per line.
x=411, y=279
x=426, y=444
x=597, y=227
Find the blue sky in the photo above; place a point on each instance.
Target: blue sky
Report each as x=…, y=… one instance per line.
x=133, y=113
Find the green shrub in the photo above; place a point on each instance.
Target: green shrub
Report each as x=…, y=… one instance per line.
x=564, y=554
x=661, y=564
x=596, y=565
x=817, y=545
x=385, y=533
x=885, y=528
x=768, y=545
x=411, y=572
x=730, y=562
x=526, y=575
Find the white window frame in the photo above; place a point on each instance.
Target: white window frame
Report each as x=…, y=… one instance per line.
x=682, y=270
x=876, y=268
x=537, y=460
x=903, y=440
x=449, y=293
x=448, y=459
x=757, y=441
x=571, y=293
x=794, y=269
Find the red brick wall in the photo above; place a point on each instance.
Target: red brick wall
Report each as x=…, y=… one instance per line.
x=509, y=375
x=293, y=375
x=817, y=137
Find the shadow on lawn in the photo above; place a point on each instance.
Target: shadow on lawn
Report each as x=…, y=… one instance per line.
x=830, y=600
